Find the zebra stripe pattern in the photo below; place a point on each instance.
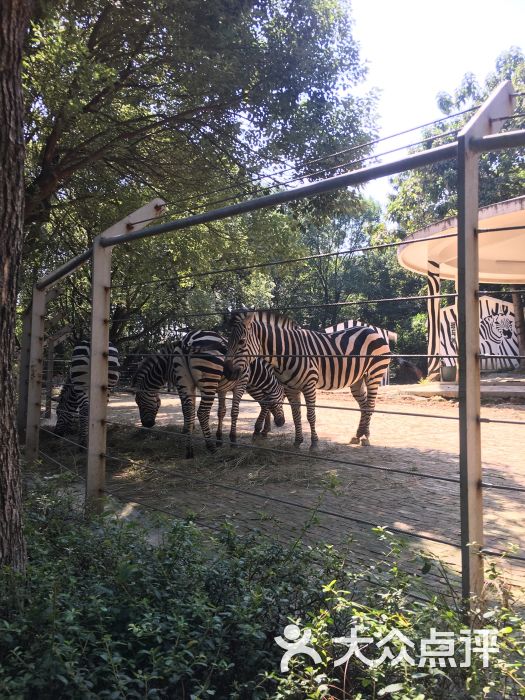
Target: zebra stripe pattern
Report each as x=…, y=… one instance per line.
x=306, y=360
x=74, y=397
x=70, y=405
x=389, y=336
x=197, y=361
x=433, y=322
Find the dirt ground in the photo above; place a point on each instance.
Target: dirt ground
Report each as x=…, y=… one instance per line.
x=296, y=492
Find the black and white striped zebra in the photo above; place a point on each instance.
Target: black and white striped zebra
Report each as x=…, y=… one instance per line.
x=197, y=362
x=74, y=396
x=307, y=360
x=389, y=336
x=70, y=405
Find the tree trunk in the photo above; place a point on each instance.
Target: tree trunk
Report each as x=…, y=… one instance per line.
x=13, y=20
x=520, y=324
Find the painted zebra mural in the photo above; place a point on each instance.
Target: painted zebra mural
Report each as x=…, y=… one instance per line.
x=497, y=334
x=197, y=362
x=389, y=336
x=307, y=360
x=74, y=399
x=433, y=319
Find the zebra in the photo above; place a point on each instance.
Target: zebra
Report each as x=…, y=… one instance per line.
x=306, y=360
x=74, y=398
x=70, y=404
x=197, y=361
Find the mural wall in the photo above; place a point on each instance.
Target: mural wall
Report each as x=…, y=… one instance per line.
x=497, y=334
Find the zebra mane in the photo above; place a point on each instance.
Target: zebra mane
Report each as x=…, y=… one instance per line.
x=267, y=317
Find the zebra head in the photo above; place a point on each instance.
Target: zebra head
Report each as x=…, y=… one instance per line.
x=278, y=415
x=150, y=376
x=243, y=345
x=149, y=404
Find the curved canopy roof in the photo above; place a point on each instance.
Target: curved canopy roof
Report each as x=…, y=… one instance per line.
x=501, y=253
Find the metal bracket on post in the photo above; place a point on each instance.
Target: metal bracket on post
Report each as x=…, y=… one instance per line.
x=98, y=365
x=34, y=386
x=486, y=121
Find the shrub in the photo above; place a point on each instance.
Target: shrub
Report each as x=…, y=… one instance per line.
x=103, y=613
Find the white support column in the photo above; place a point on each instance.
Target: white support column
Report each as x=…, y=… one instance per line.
x=499, y=104
x=433, y=321
x=34, y=388
x=98, y=366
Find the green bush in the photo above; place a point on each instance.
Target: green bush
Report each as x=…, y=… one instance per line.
x=103, y=613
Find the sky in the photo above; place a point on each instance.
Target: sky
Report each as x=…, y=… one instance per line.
x=415, y=49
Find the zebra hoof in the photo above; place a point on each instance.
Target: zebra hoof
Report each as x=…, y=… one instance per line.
x=298, y=443
x=354, y=441
x=314, y=445
x=365, y=441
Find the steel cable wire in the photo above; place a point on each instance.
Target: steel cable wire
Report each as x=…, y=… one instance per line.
x=267, y=497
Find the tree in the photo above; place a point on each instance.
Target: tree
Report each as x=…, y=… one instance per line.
x=182, y=97
x=430, y=194
x=201, y=103
x=13, y=20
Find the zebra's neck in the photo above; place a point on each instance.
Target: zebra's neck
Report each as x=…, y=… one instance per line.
x=153, y=372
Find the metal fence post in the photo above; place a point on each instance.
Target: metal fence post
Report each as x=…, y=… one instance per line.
x=49, y=376
x=98, y=365
x=23, y=376
x=34, y=386
x=51, y=342
x=499, y=104
x=23, y=368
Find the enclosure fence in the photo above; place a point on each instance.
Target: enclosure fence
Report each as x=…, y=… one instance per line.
x=480, y=135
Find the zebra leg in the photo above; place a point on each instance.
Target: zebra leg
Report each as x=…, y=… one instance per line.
x=221, y=412
x=238, y=392
x=309, y=397
x=372, y=387
x=267, y=424
x=203, y=414
x=359, y=392
x=263, y=424
x=294, y=399
x=187, y=400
